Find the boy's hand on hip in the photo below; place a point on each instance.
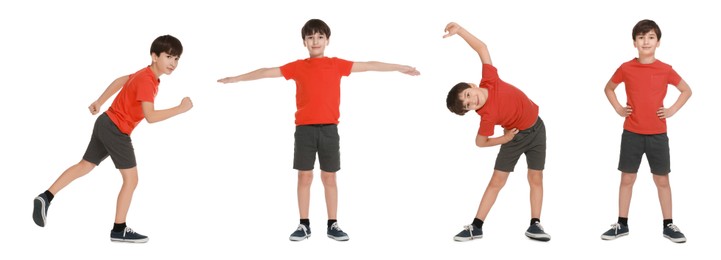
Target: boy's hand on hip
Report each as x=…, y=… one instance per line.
x=663, y=112
x=624, y=111
x=509, y=134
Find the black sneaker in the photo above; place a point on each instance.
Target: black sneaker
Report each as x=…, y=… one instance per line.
x=535, y=232
x=672, y=232
x=127, y=235
x=468, y=233
x=334, y=232
x=40, y=209
x=617, y=230
x=301, y=233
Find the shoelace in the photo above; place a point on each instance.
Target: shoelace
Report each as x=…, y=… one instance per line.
x=673, y=227
x=302, y=227
x=616, y=227
x=335, y=226
x=539, y=226
x=469, y=228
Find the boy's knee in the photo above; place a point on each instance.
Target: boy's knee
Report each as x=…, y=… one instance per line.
x=305, y=178
x=328, y=178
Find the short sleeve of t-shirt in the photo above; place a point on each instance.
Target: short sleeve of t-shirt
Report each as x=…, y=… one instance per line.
x=288, y=70
x=489, y=73
x=617, y=77
x=673, y=78
x=344, y=66
x=146, y=90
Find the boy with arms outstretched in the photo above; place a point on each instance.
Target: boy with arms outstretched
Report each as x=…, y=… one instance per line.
x=500, y=103
x=111, y=133
x=317, y=80
x=644, y=128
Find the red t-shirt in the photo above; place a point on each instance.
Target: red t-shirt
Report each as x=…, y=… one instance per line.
x=127, y=111
x=506, y=105
x=317, y=85
x=646, y=86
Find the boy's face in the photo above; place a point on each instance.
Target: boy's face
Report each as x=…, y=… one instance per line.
x=472, y=98
x=165, y=63
x=646, y=43
x=316, y=44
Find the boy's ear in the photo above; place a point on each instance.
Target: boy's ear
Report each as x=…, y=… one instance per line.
x=154, y=57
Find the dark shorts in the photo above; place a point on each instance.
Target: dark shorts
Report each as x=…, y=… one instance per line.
x=656, y=148
x=531, y=142
x=107, y=140
x=321, y=139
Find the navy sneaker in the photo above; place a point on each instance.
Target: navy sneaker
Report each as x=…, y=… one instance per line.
x=535, y=232
x=617, y=230
x=334, y=232
x=672, y=232
x=468, y=233
x=127, y=235
x=40, y=209
x=301, y=233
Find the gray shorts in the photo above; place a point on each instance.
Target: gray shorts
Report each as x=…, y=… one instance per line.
x=107, y=140
x=531, y=142
x=322, y=139
x=656, y=148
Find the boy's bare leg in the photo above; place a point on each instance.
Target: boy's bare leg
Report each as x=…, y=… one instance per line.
x=73, y=172
x=305, y=178
x=130, y=181
x=498, y=180
x=624, y=193
x=331, y=193
x=535, y=181
x=664, y=194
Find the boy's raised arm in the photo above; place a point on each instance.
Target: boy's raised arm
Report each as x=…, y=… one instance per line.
x=477, y=45
x=381, y=66
x=253, y=75
x=113, y=88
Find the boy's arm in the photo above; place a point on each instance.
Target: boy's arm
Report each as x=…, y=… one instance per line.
x=113, y=88
x=253, y=75
x=682, y=98
x=380, y=66
x=477, y=45
x=610, y=91
x=152, y=115
x=485, y=141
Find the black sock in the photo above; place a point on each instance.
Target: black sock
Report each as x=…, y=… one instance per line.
x=623, y=221
x=477, y=223
x=49, y=195
x=331, y=221
x=535, y=220
x=666, y=222
x=305, y=222
x=119, y=227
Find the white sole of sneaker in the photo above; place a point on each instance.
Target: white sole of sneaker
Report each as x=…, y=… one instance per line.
x=541, y=237
x=464, y=239
x=344, y=238
x=613, y=237
x=676, y=240
x=129, y=240
x=296, y=239
x=39, y=211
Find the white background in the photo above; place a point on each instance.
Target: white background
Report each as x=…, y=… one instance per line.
x=217, y=182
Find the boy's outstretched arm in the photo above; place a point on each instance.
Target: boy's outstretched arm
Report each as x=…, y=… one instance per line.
x=682, y=98
x=477, y=45
x=610, y=91
x=253, y=75
x=153, y=116
x=380, y=66
x=485, y=141
x=113, y=88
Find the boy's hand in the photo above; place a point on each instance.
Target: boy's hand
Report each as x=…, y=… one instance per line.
x=452, y=29
x=227, y=80
x=509, y=134
x=186, y=104
x=410, y=71
x=663, y=112
x=94, y=107
x=624, y=111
